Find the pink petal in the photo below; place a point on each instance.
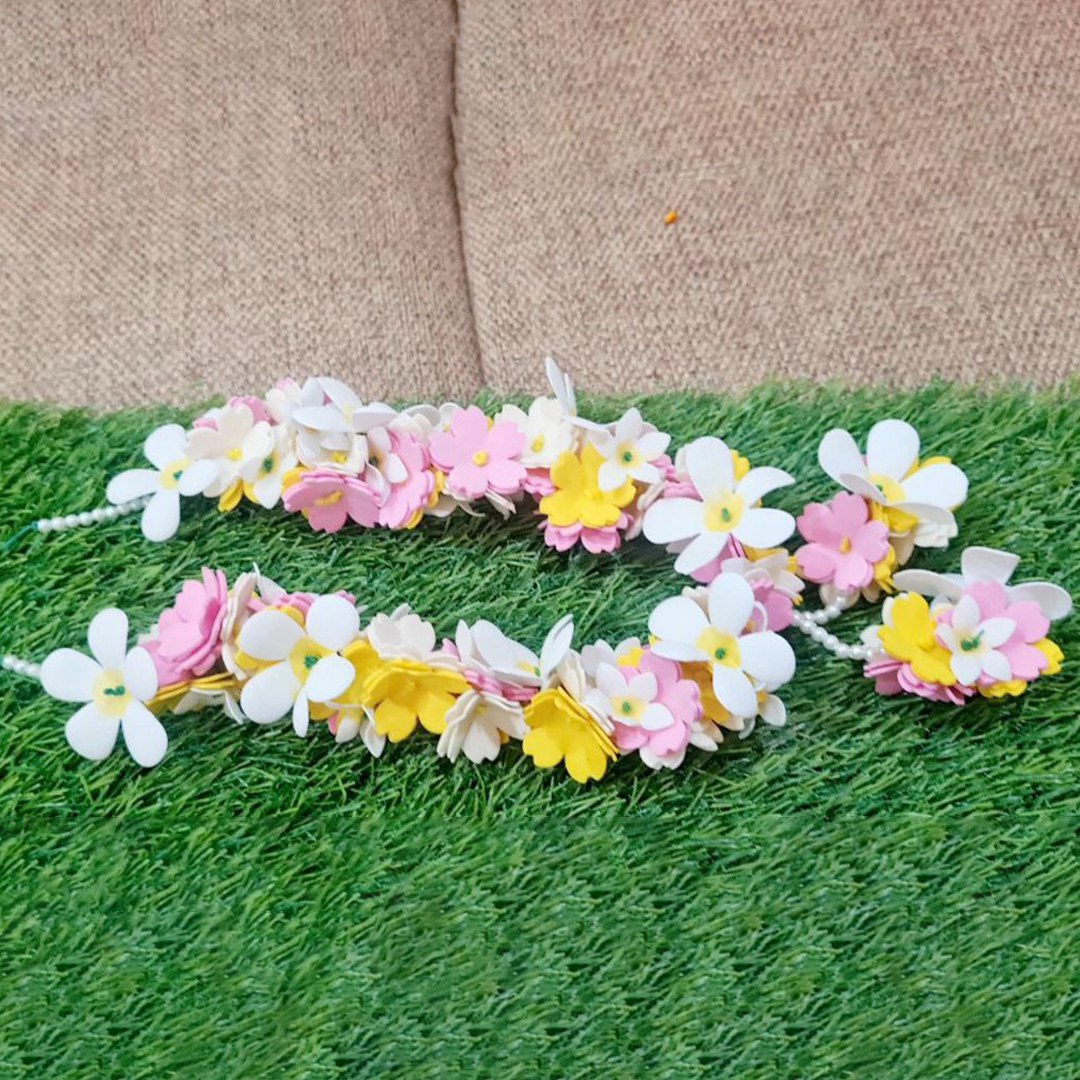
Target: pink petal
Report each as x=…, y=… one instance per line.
x=817, y=563
x=849, y=512
x=853, y=572
x=816, y=523
x=468, y=480
x=506, y=477
x=871, y=541
x=470, y=427
x=505, y=440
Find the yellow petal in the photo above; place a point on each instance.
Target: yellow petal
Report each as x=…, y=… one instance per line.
x=542, y=747
x=394, y=720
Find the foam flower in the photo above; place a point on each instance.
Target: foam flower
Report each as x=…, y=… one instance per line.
x=113, y=688
x=478, y=458
x=629, y=451
x=189, y=633
x=548, y=433
x=578, y=499
x=351, y=722
x=405, y=499
x=724, y=508
x=328, y=499
x=983, y=564
x=342, y=412
x=304, y=660
x=972, y=643
x=911, y=497
x=234, y=440
x=843, y=543
x=908, y=634
x=478, y=724
x=741, y=663
x=263, y=478
x=776, y=589
x=174, y=474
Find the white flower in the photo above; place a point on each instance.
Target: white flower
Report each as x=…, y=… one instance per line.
x=237, y=441
x=631, y=699
x=891, y=477
x=628, y=652
x=486, y=648
x=728, y=509
x=548, y=433
x=288, y=396
x=774, y=568
x=477, y=725
x=629, y=451
x=305, y=661
x=115, y=685
x=987, y=564
x=403, y=635
x=264, y=475
x=741, y=663
x=343, y=413
x=352, y=721
x=174, y=474
x=973, y=642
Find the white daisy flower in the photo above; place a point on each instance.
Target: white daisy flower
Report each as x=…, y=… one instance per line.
x=631, y=699
x=477, y=724
x=629, y=451
x=548, y=432
x=305, y=660
x=891, y=477
x=264, y=476
x=174, y=474
x=237, y=441
x=344, y=412
x=728, y=508
x=115, y=686
x=488, y=648
x=972, y=642
x=987, y=564
x=741, y=663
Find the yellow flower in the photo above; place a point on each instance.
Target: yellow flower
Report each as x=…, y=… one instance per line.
x=1053, y=654
x=562, y=729
x=168, y=697
x=897, y=521
x=402, y=693
x=231, y=496
x=578, y=497
x=911, y=638
x=1012, y=688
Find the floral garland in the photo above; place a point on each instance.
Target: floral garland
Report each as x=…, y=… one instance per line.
x=714, y=658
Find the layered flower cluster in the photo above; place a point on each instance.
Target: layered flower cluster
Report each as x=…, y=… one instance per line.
x=269, y=656
x=893, y=503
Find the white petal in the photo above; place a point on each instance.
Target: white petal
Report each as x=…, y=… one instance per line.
x=610, y=681
x=764, y=528
x=197, y=477
x=997, y=631
x=1054, y=602
x=859, y=485
x=652, y=444
x=646, y=473
x=556, y=645
x=164, y=445
x=132, y=484
x=892, y=447
x=329, y=678
x=144, y=735
x=161, y=518
x=562, y=385
x=301, y=714
x=91, y=734
x=967, y=667
x=140, y=675
x=611, y=476
x=936, y=515
x=678, y=619
x=677, y=650
x=498, y=651
x=757, y=483
x=937, y=485
x=107, y=637
x=997, y=666
x=628, y=426
x=700, y=551
x=643, y=686
x=322, y=418
x=948, y=637
x=712, y=472
x=838, y=455
x=333, y=622
x=925, y=582
x=768, y=658
x=733, y=690
x=668, y=520
x=731, y=603
x=773, y=711
x=269, y=635
x=339, y=393
x=988, y=564
x=481, y=742
x=69, y=675
x=966, y=615
x=656, y=717
x=269, y=695
x=394, y=469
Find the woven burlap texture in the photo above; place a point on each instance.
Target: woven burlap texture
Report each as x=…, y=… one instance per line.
x=202, y=197
x=869, y=191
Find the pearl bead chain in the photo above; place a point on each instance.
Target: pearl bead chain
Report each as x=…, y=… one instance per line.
x=90, y=517
x=21, y=667
x=811, y=623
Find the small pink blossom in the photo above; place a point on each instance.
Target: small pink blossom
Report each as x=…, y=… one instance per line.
x=596, y=541
x=413, y=494
x=893, y=676
x=477, y=458
x=328, y=499
x=538, y=483
x=188, y=639
x=844, y=544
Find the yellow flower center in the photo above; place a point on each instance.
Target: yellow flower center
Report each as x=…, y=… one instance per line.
x=527, y=668
x=723, y=514
x=538, y=444
x=845, y=546
x=170, y=475
x=305, y=654
x=329, y=500
x=627, y=456
x=480, y=458
x=340, y=457
x=628, y=710
x=719, y=647
x=889, y=488
x=110, y=695
x=234, y=454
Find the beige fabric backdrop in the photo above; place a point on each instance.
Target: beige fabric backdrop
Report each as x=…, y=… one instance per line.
x=203, y=196
x=879, y=190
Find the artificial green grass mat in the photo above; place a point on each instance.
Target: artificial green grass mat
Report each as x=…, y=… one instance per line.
x=885, y=888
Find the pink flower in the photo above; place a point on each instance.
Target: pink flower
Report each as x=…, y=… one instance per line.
x=844, y=543
x=328, y=499
x=477, y=458
x=188, y=641
x=484, y=682
x=406, y=499
x=681, y=697
x=893, y=676
x=596, y=541
x=538, y=483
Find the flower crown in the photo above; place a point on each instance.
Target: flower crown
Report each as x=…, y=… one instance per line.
x=714, y=657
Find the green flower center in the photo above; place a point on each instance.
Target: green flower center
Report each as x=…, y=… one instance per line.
x=114, y=691
x=268, y=465
x=720, y=655
x=310, y=661
x=972, y=643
